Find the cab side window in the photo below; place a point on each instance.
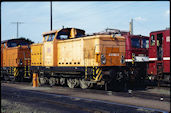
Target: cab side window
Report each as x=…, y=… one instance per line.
x=51, y=37
x=135, y=42
x=46, y=37
x=11, y=44
x=145, y=43
x=63, y=35
x=152, y=43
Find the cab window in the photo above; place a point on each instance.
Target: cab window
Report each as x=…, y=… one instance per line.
x=23, y=43
x=152, y=43
x=79, y=34
x=51, y=37
x=145, y=43
x=135, y=43
x=63, y=35
x=46, y=36
x=12, y=44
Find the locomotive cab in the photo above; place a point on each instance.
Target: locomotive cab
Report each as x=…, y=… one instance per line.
x=137, y=56
x=69, y=33
x=63, y=34
x=159, y=56
x=50, y=43
x=137, y=47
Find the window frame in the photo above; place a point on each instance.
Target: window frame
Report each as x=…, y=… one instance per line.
x=152, y=41
x=132, y=39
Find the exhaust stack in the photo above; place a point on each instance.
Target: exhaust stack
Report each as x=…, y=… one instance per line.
x=131, y=27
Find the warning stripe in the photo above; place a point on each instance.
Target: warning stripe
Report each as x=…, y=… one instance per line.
x=29, y=67
x=99, y=74
x=86, y=72
x=16, y=72
x=100, y=77
x=93, y=71
x=97, y=71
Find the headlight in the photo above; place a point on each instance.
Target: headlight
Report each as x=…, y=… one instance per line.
x=122, y=59
x=103, y=59
x=20, y=62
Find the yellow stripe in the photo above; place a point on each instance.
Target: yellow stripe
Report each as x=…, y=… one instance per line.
x=14, y=71
x=29, y=70
x=25, y=74
x=100, y=77
x=97, y=70
x=85, y=72
x=93, y=70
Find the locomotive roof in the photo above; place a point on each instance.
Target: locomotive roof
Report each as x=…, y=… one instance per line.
x=15, y=39
x=161, y=30
x=138, y=35
x=54, y=31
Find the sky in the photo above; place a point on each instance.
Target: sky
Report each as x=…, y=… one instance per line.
x=91, y=16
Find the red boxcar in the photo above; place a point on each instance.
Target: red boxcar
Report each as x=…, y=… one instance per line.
x=159, y=55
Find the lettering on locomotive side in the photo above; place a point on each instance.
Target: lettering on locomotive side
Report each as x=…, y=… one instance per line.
x=113, y=54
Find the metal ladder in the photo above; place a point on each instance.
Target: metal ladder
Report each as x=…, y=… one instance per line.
x=159, y=73
x=26, y=67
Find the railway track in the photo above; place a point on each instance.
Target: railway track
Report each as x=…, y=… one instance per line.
x=53, y=101
x=131, y=93
x=139, y=94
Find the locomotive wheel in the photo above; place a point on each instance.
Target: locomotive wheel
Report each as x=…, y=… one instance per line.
x=14, y=78
x=6, y=77
x=71, y=83
x=42, y=80
x=84, y=84
x=57, y=81
x=62, y=81
x=52, y=81
x=21, y=78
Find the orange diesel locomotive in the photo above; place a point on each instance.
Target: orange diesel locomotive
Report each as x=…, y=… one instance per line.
x=68, y=56
x=15, y=59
